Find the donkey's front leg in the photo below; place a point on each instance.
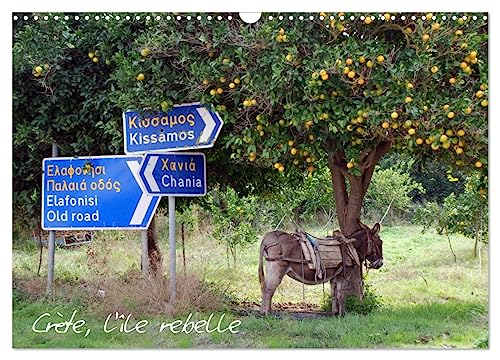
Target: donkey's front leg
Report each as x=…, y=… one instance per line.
x=341, y=295
x=333, y=294
x=339, y=289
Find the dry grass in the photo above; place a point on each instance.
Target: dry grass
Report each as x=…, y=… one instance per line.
x=151, y=295
x=130, y=293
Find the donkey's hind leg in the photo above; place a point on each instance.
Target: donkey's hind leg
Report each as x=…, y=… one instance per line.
x=274, y=274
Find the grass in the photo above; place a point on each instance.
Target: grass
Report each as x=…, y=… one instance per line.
x=429, y=301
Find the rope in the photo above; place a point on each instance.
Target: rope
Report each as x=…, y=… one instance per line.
x=303, y=285
x=383, y=217
x=331, y=215
x=277, y=226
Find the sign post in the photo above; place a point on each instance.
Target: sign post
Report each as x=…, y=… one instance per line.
x=52, y=243
x=171, y=247
x=173, y=174
x=185, y=127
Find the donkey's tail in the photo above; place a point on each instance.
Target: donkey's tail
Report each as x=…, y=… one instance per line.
x=262, y=279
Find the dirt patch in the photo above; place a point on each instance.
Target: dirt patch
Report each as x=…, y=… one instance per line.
x=282, y=310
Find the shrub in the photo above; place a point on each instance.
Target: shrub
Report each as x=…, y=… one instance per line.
x=427, y=215
x=465, y=213
x=392, y=186
x=370, y=302
x=437, y=187
x=301, y=198
x=233, y=216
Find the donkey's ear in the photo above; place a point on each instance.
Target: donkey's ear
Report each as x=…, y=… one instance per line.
x=361, y=225
x=376, y=229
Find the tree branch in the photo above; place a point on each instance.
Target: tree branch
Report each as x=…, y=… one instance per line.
x=366, y=158
x=339, y=161
x=372, y=159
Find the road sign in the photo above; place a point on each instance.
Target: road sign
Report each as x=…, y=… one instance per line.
x=175, y=174
x=186, y=126
x=101, y=192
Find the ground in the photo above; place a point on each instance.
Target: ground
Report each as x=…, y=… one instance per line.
x=427, y=300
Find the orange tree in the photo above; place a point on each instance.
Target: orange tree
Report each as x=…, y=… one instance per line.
x=337, y=90
x=299, y=94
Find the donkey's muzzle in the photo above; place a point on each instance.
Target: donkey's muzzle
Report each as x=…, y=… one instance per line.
x=377, y=264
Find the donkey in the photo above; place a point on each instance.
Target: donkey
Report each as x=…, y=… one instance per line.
x=284, y=256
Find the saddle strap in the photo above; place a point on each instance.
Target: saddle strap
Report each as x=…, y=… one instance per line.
x=284, y=258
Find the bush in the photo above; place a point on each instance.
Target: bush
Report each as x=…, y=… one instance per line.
x=427, y=215
x=302, y=198
x=392, y=186
x=370, y=302
x=233, y=219
x=465, y=213
x=431, y=174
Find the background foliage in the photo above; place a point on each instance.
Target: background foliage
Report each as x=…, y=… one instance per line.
x=284, y=88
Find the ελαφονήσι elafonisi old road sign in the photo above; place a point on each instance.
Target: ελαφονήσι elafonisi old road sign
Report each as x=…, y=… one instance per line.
x=97, y=193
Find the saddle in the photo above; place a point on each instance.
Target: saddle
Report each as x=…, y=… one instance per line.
x=330, y=252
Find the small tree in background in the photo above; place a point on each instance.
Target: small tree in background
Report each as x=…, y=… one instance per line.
x=391, y=190
x=232, y=217
x=465, y=213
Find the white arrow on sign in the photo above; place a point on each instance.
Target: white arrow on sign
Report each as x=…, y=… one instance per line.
x=144, y=201
x=209, y=124
x=148, y=173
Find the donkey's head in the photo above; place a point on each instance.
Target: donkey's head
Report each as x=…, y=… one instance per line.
x=369, y=245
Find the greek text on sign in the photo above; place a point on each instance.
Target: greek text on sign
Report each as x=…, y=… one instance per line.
x=102, y=192
x=186, y=126
x=178, y=174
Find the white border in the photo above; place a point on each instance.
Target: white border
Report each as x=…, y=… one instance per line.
x=130, y=157
x=253, y=6
x=143, y=163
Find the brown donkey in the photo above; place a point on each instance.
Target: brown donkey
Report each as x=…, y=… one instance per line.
x=284, y=256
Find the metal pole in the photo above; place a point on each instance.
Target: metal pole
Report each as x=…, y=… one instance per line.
x=145, y=252
x=171, y=244
x=52, y=243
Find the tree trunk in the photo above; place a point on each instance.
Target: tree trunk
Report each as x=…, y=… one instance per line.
x=349, y=204
x=154, y=253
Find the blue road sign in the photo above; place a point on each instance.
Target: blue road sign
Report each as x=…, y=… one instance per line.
x=177, y=174
x=101, y=192
x=186, y=126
